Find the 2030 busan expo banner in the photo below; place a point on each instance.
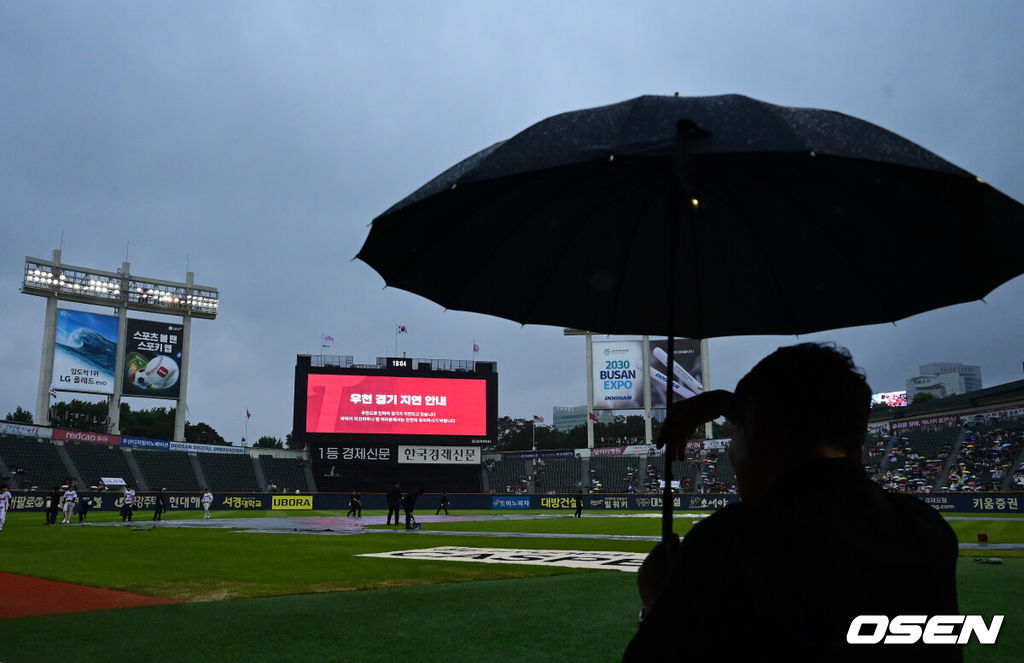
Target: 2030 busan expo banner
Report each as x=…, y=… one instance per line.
x=618, y=375
x=152, y=362
x=388, y=405
x=85, y=352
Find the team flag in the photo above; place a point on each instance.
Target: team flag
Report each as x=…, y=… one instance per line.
x=248, y=415
x=593, y=417
x=326, y=341
x=476, y=348
x=53, y=393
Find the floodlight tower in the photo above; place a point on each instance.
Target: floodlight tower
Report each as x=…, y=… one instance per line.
x=123, y=291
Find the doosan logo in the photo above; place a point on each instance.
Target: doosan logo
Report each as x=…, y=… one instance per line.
x=908, y=629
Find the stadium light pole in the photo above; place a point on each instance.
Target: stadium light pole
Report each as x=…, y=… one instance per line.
x=125, y=292
x=590, y=380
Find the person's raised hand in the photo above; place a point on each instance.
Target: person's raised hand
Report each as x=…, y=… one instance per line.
x=688, y=414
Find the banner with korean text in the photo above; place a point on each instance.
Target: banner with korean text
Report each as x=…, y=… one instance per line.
x=85, y=352
x=424, y=455
x=152, y=361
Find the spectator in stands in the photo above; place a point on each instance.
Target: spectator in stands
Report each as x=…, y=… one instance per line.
x=802, y=557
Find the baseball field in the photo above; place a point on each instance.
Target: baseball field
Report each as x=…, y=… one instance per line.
x=169, y=592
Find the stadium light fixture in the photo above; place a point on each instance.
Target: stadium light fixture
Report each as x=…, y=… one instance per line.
x=46, y=278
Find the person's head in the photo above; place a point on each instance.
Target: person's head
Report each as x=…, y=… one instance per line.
x=801, y=402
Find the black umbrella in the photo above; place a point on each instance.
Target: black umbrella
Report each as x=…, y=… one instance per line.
x=702, y=217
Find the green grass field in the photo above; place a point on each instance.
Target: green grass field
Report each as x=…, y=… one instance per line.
x=284, y=597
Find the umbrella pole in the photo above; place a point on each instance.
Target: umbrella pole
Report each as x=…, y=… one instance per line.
x=666, y=501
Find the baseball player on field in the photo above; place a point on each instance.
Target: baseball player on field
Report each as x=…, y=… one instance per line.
x=70, y=497
x=5, y=503
x=129, y=503
x=207, y=501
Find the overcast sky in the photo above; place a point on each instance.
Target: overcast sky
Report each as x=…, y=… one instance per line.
x=254, y=142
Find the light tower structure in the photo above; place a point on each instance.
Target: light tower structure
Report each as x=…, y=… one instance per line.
x=125, y=292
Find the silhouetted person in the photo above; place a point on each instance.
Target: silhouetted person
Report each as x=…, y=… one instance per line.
x=443, y=504
x=812, y=544
x=355, y=505
x=410, y=505
x=52, y=506
x=160, y=506
x=394, y=500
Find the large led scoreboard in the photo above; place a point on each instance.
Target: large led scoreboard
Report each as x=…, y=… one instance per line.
x=420, y=422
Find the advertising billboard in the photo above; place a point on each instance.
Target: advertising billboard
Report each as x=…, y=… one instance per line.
x=391, y=405
x=890, y=398
x=686, y=376
x=152, y=361
x=85, y=352
x=618, y=375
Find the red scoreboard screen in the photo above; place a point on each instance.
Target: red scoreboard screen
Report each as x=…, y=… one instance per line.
x=391, y=405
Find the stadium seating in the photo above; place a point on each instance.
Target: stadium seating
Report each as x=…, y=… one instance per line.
x=98, y=460
x=986, y=457
x=33, y=462
x=286, y=473
x=231, y=472
x=171, y=470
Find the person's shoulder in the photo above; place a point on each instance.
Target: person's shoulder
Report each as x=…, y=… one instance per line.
x=716, y=527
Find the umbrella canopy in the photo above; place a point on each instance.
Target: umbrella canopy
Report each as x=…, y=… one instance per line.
x=700, y=217
x=760, y=219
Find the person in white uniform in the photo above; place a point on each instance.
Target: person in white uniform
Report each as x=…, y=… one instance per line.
x=207, y=501
x=5, y=503
x=70, y=497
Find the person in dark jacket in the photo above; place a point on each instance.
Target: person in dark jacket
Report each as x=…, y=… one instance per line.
x=355, y=505
x=160, y=506
x=410, y=505
x=443, y=504
x=802, y=554
x=394, y=500
x=52, y=506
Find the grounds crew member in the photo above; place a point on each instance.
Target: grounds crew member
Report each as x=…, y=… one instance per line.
x=410, y=506
x=394, y=499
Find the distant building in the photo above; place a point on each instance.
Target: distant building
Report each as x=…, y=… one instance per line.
x=566, y=418
x=942, y=379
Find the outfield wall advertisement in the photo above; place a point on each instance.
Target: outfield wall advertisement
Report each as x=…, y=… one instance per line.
x=978, y=503
x=85, y=352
